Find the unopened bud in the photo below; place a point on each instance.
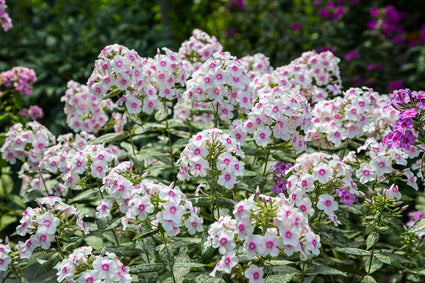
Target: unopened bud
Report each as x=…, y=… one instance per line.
x=371, y=191
x=404, y=208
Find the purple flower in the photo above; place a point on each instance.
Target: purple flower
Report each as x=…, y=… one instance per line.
x=357, y=80
x=403, y=124
x=398, y=84
x=407, y=139
x=296, y=26
x=374, y=66
x=353, y=54
x=414, y=216
x=374, y=12
x=279, y=186
x=409, y=113
x=324, y=13
x=347, y=198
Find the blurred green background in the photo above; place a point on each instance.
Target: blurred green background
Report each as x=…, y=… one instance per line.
x=60, y=39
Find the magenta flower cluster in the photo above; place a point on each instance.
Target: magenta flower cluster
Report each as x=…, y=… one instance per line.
x=5, y=20
x=389, y=22
x=22, y=78
x=405, y=131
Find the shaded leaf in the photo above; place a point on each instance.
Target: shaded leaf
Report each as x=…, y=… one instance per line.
x=49, y=264
x=368, y=279
x=371, y=240
x=389, y=260
x=280, y=278
x=324, y=270
x=146, y=267
x=95, y=241
x=110, y=138
x=418, y=225
x=124, y=251
x=352, y=251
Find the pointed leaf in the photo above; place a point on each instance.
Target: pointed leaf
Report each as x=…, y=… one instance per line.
x=371, y=240
x=49, y=264
x=418, y=225
x=124, y=251
x=389, y=260
x=110, y=138
x=368, y=279
x=352, y=251
x=146, y=267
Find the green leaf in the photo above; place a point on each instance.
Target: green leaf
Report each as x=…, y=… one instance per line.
x=280, y=278
x=352, y=251
x=371, y=240
x=146, y=267
x=94, y=241
x=6, y=220
x=389, y=260
x=204, y=278
x=161, y=114
x=182, y=269
x=110, y=138
x=253, y=151
x=166, y=256
x=85, y=195
x=368, y=279
x=280, y=156
x=124, y=251
x=112, y=93
x=6, y=185
x=376, y=265
x=418, y=225
x=49, y=264
x=419, y=271
x=324, y=270
x=147, y=277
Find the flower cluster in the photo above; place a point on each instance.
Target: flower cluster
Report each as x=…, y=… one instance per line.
x=5, y=20
x=284, y=112
x=27, y=143
x=317, y=73
x=53, y=218
x=330, y=11
x=262, y=228
x=34, y=112
x=214, y=154
x=4, y=256
x=21, y=78
x=146, y=82
x=389, y=22
x=410, y=123
x=223, y=81
x=85, y=111
x=199, y=48
x=358, y=112
x=143, y=201
x=316, y=179
x=257, y=65
x=382, y=161
x=279, y=171
x=83, y=266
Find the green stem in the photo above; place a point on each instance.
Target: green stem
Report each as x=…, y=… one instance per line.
x=131, y=135
x=44, y=182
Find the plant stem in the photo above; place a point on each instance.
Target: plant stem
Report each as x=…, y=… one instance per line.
x=131, y=135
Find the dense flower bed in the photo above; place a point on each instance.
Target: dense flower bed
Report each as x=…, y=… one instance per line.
x=196, y=165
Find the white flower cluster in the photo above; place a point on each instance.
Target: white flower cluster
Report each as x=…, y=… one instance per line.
x=212, y=153
x=257, y=65
x=143, y=200
x=223, y=81
x=82, y=266
x=43, y=223
x=85, y=111
x=144, y=81
x=317, y=73
x=322, y=175
x=381, y=162
x=199, y=48
x=287, y=230
x=27, y=144
x=358, y=112
x=4, y=256
x=285, y=113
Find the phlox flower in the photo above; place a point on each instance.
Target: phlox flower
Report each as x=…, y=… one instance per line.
x=47, y=223
x=224, y=241
x=271, y=244
x=393, y=193
x=381, y=165
x=227, y=262
x=227, y=180
x=104, y=208
x=327, y=203
x=105, y=268
x=322, y=172
x=173, y=211
x=199, y=167
x=194, y=224
x=366, y=173
x=254, y=274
